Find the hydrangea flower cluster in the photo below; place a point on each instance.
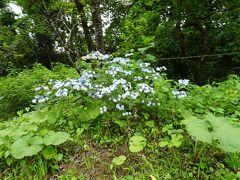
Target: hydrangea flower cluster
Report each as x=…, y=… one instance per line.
x=118, y=83
x=114, y=70
x=120, y=60
x=39, y=99
x=41, y=87
x=96, y=55
x=120, y=107
x=183, y=81
x=103, y=109
x=179, y=94
x=162, y=68
x=145, y=88
x=126, y=113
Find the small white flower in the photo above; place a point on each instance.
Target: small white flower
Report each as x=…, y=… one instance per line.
x=163, y=68
x=179, y=94
x=129, y=54
x=183, y=81
x=34, y=101
x=120, y=107
x=103, y=109
x=41, y=100
x=126, y=113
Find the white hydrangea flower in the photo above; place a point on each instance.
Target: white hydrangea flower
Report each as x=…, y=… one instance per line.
x=183, y=81
x=126, y=113
x=120, y=107
x=162, y=68
x=103, y=109
x=120, y=60
x=34, y=101
x=42, y=87
x=179, y=94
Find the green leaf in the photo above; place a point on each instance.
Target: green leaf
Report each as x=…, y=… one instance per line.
x=167, y=127
x=150, y=57
x=29, y=127
x=3, y=140
x=89, y=111
x=50, y=153
x=225, y=133
x=119, y=160
x=56, y=138
x=142, y=50
x=26, y=146
x=150, y=124
x=36, y=116
x=137, y=143
x=163, y=143
x=59, y=157
x=198, y=128
x=79, y=131
x=52, y=117
x=9, y=161
x=120, y=123
x=176, y=140
x=212, y=128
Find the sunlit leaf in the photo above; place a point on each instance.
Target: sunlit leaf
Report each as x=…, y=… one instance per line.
x=26, y=146
x=119, y=160
x=56, y=138
x=137, y=143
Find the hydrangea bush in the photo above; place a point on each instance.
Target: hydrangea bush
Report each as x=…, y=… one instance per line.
x=120, y=85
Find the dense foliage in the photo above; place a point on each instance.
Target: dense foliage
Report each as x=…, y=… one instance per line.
x=119, y=89
x=16, y=89
x=130, y=110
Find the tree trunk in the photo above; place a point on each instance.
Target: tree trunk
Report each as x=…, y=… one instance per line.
x=85, y=27
x=182, y=66
x=97, y=23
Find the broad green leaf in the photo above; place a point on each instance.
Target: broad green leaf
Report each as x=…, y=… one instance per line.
x=220, y=130
x=227, y=134
x=137, y=143
x=36, y=116
x=198, y=128
x=29, y=127
x=4, y=140
x=5, y=132
x=119, y=160
x=26, y=146
x=56, y=138
x=52, y=117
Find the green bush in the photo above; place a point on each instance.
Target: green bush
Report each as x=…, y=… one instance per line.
x=17, y=90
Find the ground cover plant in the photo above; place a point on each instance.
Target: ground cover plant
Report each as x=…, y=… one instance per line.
x=122, y=118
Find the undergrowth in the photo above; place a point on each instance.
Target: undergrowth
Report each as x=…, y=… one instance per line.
x=118, y=119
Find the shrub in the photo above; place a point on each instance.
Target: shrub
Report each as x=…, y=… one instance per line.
x=17, y=90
